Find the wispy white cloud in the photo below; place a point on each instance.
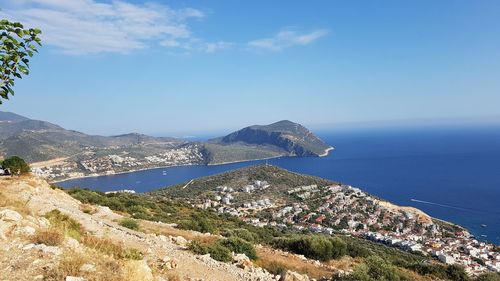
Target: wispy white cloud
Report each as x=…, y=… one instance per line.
x=197, y=45
x=287, y=38
x=88, y=26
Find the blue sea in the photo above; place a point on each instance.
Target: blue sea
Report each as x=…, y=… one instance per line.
x=450, y=173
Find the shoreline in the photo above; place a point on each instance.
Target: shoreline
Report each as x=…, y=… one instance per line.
x=327, y=151
x=121, y=173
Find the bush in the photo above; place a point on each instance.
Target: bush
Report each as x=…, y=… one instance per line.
x=132, y=254
x=313, y=246
x=240, y=246
x=129, y=223
x=275, y=268
x=49, y=237
x=376, y=268
x=198, y=248
x=216, y=250
x=242, y=233
x=488, y=277
x=16, y=165
x=220, y=253
x=65, y=223
x=198, y=223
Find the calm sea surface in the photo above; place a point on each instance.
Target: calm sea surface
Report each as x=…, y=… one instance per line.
x=450, y=173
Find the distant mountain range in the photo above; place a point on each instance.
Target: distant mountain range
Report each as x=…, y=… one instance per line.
x=40, y=141
x=37, y=140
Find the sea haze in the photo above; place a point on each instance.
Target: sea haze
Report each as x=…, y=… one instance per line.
x=450, y=173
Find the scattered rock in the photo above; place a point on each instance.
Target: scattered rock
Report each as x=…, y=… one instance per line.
x=49, y=249
x=205, y=258
x=28, y=246
x=105, y=210
x=302, y=257
x=25, y=230
x=139, y=268
x=87, y=267
x=294, y=276
x=72, y=243
x=9, y=215
x=43, y=222
x=2, y=234
x=240, y=258
x=73, y=278
x=167, y=263
x=179, y=240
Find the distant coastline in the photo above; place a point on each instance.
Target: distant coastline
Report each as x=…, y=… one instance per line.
x=327, y=151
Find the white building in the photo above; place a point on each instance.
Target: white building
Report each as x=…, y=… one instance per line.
x=446, y=259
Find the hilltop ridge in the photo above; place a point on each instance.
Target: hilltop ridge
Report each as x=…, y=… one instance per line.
x=58, y=153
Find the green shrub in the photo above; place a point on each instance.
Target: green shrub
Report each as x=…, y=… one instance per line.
x=216, y=250
x=275, y=268
x=313, y=246
x=132, y=254
x=339, y=247
x=242, y=233
x=198, y=223
x=375, y=268
x=220, y=253
x=129, y=223
x=198, y=248
x=69, y=226
x=16, y=165
x=240, y=246
x=488, y=277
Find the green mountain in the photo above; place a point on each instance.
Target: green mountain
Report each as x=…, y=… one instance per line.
x=78, y=154
x=283, y=138
x=36, y=140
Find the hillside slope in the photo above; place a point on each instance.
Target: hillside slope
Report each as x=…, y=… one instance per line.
x=25, y=201
x=283, y=138
x=36, y=140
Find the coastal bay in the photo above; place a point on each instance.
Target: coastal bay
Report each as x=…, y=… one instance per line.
x=455, y=168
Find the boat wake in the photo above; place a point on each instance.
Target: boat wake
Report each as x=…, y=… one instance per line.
x=445, y=205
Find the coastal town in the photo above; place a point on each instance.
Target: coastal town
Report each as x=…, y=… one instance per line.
x=91, y=163
x=348, y=210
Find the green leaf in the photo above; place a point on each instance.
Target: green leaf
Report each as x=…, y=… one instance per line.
x=24, y=70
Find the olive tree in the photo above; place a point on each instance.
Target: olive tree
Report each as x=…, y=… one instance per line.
x=17, y=45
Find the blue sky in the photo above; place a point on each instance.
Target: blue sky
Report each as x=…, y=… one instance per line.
x=171, y=67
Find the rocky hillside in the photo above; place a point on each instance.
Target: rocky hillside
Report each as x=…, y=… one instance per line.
x=288, y=136
x=47, y=235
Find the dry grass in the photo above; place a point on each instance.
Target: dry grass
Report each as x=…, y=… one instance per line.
x=149, y=227
x=71, y=262
x=87, y=208
x=274, y=261
x=110, y=248
x=15, y=205
x=50, y=237
x=173, y=277
x=66, y=224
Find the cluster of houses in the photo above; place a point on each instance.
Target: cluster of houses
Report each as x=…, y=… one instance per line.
x=176, y=156
x=346, y=209
x=91, y=163
x=349, y=210
x=257, y=185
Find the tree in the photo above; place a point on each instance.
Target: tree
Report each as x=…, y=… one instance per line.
x=15, y=165
x=17, y=45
